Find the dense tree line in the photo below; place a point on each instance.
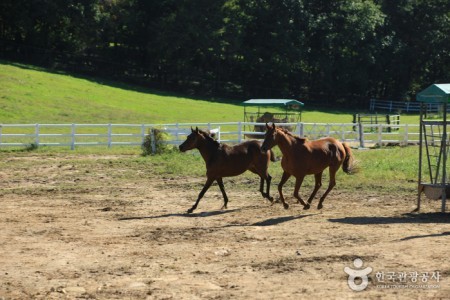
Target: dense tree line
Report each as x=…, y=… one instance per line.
x=343, y=51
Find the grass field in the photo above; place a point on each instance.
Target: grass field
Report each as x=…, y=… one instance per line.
x=33, y=95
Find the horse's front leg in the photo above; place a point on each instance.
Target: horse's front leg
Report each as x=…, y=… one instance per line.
x=298, y=184
x=268, y=181
x=284, y=178
x=222, y=189
x=318, y=184
x=208, y=183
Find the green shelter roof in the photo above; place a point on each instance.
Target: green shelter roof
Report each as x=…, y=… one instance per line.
x=435, y=93
x=286, y=103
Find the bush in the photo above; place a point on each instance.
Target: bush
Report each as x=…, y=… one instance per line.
x=155, y=143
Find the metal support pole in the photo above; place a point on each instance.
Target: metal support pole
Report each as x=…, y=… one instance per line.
x=444, y=165
x=419, y=183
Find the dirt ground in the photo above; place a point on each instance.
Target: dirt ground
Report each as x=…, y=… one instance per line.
x=94, y=227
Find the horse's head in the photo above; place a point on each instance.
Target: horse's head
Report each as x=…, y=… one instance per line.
x=269, y=137
x=192, y=140
x=196, y=138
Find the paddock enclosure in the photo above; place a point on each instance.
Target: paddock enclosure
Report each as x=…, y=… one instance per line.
x=110, y=226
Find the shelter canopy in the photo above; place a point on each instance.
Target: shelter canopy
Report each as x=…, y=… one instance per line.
x=285, y=103
x=435, y=93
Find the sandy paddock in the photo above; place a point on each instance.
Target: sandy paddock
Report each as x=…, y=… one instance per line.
x=97, y=227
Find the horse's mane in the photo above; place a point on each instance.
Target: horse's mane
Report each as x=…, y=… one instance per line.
x=296, y=137
x=208, y=137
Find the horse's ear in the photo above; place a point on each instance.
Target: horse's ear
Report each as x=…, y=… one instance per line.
x=192, y=129
x=196, y=129
x=273, y=124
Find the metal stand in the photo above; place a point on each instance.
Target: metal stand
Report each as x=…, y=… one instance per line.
x=433, y=138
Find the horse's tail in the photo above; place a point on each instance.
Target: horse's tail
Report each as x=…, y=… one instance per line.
x=348, y=166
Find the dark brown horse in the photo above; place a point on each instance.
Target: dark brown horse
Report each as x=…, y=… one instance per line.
x=303, y=157
x=226, y=161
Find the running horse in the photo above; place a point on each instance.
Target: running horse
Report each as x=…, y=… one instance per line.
x=303, y=157
x=226, y=161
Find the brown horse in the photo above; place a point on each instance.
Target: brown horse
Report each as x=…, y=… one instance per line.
x=303, y=157
x=225, y=161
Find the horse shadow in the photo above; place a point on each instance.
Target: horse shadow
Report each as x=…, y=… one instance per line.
x=268, y=222
x=407, y=218
x=279, y=220
x=183, y=215
x=445, y=233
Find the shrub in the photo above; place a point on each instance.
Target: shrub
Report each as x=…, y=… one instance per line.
x=154, y=143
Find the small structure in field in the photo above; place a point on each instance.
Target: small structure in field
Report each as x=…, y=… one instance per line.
x=257, y=111
x=434, y=145
x=393, y=120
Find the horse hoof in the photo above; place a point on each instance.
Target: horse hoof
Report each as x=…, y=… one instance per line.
x=306, y=206
x=286, y=206
x=190, y=210
x=319, y=206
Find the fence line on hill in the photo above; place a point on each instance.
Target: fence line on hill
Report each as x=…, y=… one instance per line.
x=109, y=135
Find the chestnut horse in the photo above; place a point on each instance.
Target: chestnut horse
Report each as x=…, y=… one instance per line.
x=303, y=157
x=225, y=161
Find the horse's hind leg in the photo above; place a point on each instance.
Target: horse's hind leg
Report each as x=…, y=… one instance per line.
x=222, y=189
x=330, y=187
x=208, y=183
x=266, y=194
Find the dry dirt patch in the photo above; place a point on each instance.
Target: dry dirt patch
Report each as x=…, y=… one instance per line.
x=77, y=227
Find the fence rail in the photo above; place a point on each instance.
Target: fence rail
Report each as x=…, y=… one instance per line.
x=402, y=106
x=109, y=135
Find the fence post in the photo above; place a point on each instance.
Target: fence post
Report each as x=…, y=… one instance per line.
x=405, y=138
x=143, y=134
x=152, y=133
x=239, y=132
x=380, y=134
x=72, y=144
x=109, y=135
x=300, y=129
x=361, y=135
x=36, y=140
x=176, y=132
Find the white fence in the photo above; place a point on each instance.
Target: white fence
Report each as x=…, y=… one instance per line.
x=402, y=106
x=109, y=135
